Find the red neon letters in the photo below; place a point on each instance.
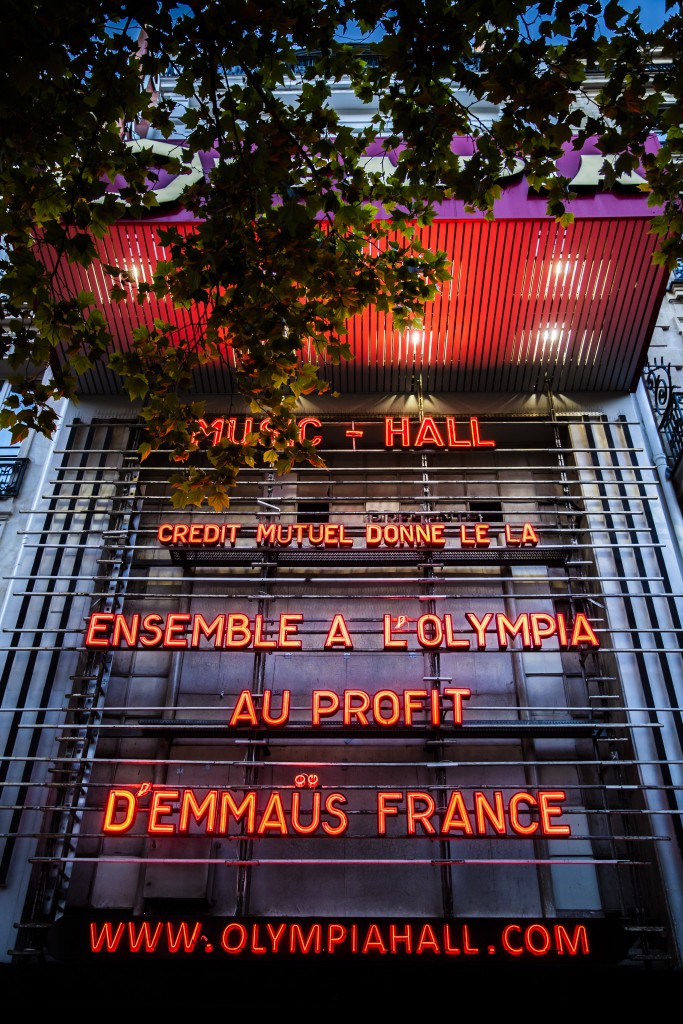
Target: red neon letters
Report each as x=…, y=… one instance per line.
x=329, y=937
x=256, y=813
x=423, y=433
x=400, y=433
x=234, y=631
x=237, y=631
x=533, y=628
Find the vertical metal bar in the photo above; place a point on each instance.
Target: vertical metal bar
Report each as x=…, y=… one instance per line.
x=253, y=753
x=434, y=663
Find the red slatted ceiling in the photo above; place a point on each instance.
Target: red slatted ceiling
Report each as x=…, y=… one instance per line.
x=528, y=300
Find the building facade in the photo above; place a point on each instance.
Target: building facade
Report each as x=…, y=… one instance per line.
x=419, y=705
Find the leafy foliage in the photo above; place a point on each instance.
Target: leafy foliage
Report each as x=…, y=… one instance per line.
x=287, y=245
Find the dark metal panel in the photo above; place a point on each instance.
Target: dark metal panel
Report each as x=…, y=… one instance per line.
x=362, y=557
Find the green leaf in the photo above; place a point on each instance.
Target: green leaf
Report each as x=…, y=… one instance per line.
x=277, y=247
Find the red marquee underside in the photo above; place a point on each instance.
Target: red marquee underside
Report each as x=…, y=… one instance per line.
x=529, y=301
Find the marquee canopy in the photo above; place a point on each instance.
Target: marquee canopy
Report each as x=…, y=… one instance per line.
x=529, y=301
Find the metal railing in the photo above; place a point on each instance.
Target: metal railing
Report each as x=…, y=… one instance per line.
x=666, y=399
x=11, y=476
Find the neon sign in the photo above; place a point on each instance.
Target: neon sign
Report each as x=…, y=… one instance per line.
x=355, y=708
x=176, y=811
x=237, y=631
x=401, y=432
x=307, y=810
x=334, y=535
x=103, y=936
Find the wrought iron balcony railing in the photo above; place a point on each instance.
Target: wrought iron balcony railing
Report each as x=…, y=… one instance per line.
x=11, y=475
x=666, y=400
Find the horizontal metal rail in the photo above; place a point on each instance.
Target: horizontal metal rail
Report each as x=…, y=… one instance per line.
x=226, y=550
x=569, y=787
x=314, y=577
x=232, y=763
x=364, y=837
x=141, y=709
x=199, y=595
x=346, y=861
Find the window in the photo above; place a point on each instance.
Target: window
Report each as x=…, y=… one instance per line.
x=12, y=468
